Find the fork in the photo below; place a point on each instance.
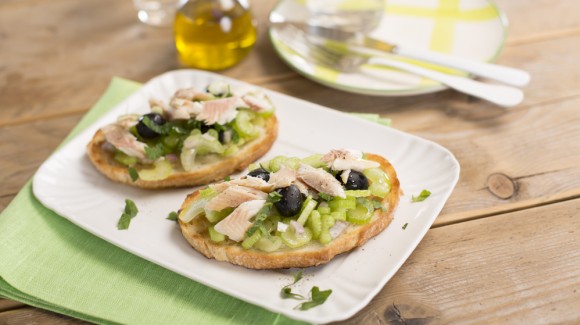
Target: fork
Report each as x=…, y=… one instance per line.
x=350, y=61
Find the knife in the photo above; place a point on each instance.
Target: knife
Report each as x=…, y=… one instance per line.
x=508, y=75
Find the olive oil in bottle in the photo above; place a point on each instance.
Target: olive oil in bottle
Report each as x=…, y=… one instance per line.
x=213, y=34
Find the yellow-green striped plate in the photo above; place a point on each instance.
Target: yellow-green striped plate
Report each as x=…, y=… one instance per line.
x=474, y=29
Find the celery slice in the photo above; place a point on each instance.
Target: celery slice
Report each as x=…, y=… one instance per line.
x=215, y=216
x=362, y=214
x=380, y=190
x=161, y=170
x=193, y=210
x=314, y=161
x=357, y=193
x=230, y=150
x=243, y=124
x=314, y=223
x=268, y=244
x=339, y=215
x=171, y=141
x=250, y=241
x=266, y=165
x=307, y=208
x=342, y=204
x=124, y=159
x=327, y=222
x=208, y=192
x=276, y=163
x=380, y=184
x=375, y=175
x=294, y=240
x=213, y=133
x=215, y=236
x=323, y=208
x=271, y=223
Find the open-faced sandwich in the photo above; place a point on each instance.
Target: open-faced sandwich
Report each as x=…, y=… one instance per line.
x=290, y=212
x=196, y=138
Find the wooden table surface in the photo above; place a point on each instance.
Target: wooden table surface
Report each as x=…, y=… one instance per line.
x=506, y=247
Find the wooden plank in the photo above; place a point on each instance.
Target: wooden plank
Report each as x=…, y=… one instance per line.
x=7, y=304
x=25, y=147
x=63, y=61
x=30, y=315
x=528, y=21
x=518, y=268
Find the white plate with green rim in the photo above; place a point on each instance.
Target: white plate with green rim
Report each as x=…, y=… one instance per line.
x=472, y=29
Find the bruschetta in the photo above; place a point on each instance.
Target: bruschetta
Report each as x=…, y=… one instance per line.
x=290, y=212
x=196, y=138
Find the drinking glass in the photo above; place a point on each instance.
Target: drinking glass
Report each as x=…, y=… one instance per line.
x=350, y=15
x=156, y=12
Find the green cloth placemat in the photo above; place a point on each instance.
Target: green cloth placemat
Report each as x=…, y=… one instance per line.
x=47, y=262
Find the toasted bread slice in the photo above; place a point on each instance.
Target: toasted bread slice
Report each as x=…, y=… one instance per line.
x=312, y=254
x=214, y=167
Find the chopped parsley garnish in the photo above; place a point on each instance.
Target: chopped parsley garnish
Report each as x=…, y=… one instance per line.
x=274, y=197
x=159, y=129
x=421, y=197
x=129, y=213
x=286, y=292
x=405, y=225
x=227, y=179
x=259, y=219
x=172, y=216
x=133, y=173
x=155, y=152
x=317, y=297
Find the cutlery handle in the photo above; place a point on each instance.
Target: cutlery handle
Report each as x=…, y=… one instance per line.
x=501, y=95
x=511, y=76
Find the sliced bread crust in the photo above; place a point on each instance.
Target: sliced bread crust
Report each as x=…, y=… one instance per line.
x=205, y=174
x=196, y=234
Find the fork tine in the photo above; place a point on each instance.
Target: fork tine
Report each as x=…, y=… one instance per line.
x=299, y=42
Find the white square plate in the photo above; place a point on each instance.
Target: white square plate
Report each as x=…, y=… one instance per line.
x=68, y=184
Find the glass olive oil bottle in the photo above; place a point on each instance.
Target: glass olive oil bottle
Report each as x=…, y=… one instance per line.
x=214, y=34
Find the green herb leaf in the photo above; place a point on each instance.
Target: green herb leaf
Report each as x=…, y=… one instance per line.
x=155, y=152
x=172, y=216
x=325, y=196
x=235, y=136
x=405, y=225
x=286, y=292
x=421, y=197
x=317, y=298
x=274, y=197
x=297, y=277
x=160, y=129
x=227, y=179
x=259, y=219
x=133, y=173
x=129, y=213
